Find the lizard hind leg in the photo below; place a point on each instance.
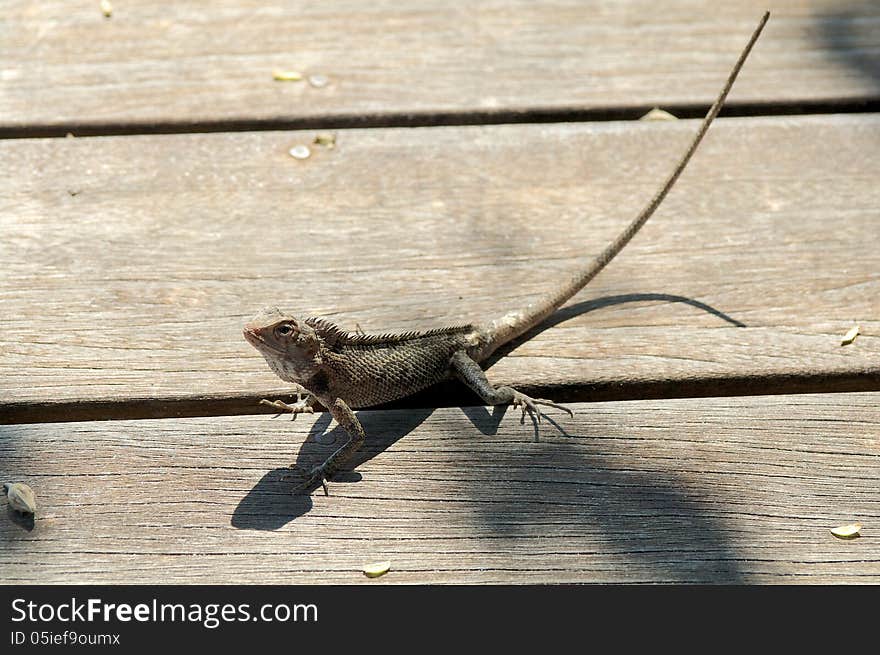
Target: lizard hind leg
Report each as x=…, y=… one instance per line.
x=469, y=372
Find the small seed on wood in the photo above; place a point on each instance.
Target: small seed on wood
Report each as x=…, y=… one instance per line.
x=377, y=569
x=300, y=152
x=847, y=531
x=657, y=114
x=850, y=336
x=286, y=76
x=326, y=140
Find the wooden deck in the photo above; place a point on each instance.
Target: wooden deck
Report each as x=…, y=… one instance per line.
x=481, y=153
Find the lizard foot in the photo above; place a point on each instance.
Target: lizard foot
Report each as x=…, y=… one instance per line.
x=530, y=406
x=301, y=406
x=316, y=475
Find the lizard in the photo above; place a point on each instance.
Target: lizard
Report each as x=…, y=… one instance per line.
x=344, y=371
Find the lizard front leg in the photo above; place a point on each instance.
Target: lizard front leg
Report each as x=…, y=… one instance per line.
x=305, y=404
x=356, y=436
x=469, y=372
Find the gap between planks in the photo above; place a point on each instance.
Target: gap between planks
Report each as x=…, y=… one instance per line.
x=437, y=119
x=448, y=394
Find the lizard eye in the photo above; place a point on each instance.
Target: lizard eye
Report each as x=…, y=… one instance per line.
x=284, y=330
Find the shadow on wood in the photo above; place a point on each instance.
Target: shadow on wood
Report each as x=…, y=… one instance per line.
x=24, y=521
x=843, y=29
x=274, y=501
x=638, y=513
x=632, y=511
x=577, y=309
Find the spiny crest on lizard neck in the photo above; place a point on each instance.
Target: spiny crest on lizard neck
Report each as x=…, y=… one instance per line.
x=333, y=335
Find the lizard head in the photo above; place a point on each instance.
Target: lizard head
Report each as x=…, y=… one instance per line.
x=290, y=346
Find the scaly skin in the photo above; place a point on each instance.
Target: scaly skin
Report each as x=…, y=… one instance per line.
x=344, y=371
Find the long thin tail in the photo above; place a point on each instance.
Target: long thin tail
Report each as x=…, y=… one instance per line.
x=514, y=324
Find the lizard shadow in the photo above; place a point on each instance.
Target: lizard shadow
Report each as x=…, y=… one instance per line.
x=573, y=487
x=274, y=502
x=630, y=509
x=577, y=309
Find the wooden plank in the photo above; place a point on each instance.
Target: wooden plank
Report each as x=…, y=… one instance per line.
x=713, y=490
x=66, y=66
x=131, y=263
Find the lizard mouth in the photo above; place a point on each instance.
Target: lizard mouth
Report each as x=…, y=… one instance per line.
x=252, y=336
x=256, y=339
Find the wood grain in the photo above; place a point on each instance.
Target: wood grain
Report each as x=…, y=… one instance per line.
x=740, y=490
x=130, y=263
x=194, y=64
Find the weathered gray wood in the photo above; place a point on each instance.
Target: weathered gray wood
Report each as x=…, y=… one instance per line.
x=65, y=65
x=713, y=490
x=136, y=287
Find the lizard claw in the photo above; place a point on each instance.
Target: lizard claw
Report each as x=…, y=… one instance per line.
x=530, y=406
x=301, y=406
